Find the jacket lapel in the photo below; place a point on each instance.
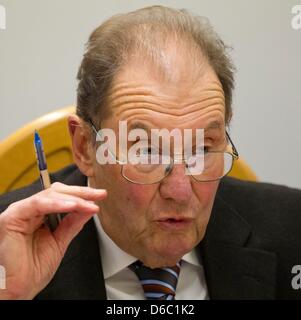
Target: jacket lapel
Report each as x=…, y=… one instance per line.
x=234, y=266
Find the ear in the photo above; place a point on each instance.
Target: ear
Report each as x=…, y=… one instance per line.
x=81, y=145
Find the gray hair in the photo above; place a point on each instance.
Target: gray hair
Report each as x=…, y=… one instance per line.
x=146, y=31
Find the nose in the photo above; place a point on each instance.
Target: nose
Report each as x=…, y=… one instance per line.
x=177, y=186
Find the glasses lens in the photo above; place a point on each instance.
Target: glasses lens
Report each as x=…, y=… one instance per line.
x=149, y=171
x=215, y=166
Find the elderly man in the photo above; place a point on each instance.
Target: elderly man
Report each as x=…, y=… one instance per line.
x=135, y=231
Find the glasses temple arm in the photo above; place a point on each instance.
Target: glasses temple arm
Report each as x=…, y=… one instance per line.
x=234, y=150
x=96, y=132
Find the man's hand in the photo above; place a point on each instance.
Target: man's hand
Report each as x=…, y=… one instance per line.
x=30, y=253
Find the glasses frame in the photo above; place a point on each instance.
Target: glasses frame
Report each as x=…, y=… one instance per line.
x=234, y=155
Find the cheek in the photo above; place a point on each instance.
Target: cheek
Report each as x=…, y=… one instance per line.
x=205, y=193
x=139, y=196
x=121, y=193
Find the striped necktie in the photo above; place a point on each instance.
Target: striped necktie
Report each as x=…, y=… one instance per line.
x=159, y=283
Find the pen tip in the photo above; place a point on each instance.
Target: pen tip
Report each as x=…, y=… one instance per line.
x=36, y=135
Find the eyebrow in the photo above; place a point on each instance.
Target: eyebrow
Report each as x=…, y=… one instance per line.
x=214, y=125
x=139, y=125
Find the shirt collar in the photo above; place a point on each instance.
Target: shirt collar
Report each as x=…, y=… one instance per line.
x=115, y=259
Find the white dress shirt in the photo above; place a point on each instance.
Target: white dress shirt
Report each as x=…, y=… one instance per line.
x=122, y=284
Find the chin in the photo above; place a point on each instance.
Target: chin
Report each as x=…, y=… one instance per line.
x=166, y=253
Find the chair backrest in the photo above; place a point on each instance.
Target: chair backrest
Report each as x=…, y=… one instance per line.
x=17, y=154
x=18, y=159
x=243, y=171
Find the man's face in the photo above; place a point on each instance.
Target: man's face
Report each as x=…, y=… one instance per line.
x=159, y=223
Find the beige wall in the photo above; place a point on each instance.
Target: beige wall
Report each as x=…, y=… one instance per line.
x=41, y=48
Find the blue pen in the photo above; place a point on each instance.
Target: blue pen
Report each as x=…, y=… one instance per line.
x=52, y=220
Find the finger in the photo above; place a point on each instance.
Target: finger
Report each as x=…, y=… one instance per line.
x=42, y=204
x=16, y=222
x=69, y=197
x=78, y=191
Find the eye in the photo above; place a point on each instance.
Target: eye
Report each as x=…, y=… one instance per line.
x=202, y=149
x=149, y=150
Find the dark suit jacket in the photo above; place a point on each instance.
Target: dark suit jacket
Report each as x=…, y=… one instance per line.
x=252, y=242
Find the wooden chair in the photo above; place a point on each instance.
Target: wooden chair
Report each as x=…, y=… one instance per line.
x=17, y=154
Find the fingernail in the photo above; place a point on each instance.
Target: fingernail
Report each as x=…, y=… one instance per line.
x=99, y=190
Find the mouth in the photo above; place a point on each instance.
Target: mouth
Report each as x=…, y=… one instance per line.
x=175, y=224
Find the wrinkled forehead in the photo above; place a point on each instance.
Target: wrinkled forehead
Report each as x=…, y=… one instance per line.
x=182, y=91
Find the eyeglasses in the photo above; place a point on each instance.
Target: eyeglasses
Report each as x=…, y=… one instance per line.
x=206, y=166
